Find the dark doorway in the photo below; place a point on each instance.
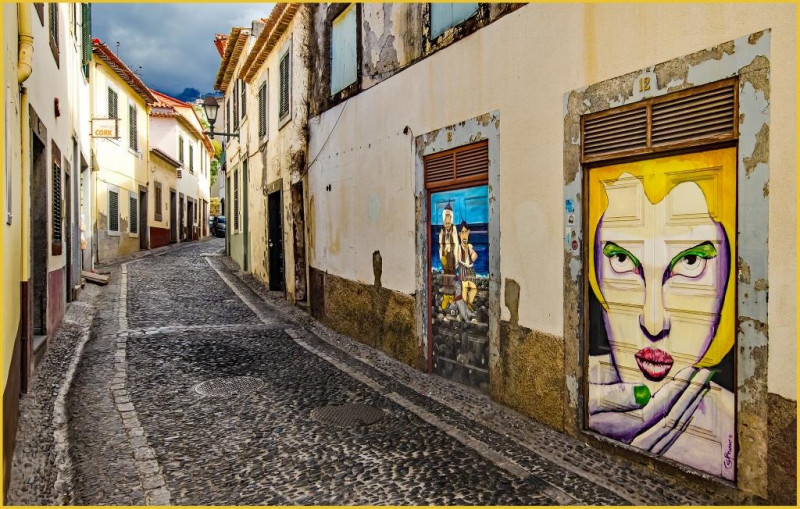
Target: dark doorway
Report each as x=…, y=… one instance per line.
x=39, y=236
x=144, y=232
x=68, y=230
x=298, y=227
x=246, y=217
x=173, y=219
x=189, y=219
x=181, y=228
x=275, y=241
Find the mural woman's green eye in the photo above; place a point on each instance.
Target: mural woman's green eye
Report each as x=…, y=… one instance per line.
x=621, y=259
x=692, y=262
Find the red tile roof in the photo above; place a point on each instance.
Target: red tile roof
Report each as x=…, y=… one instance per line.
x=105, y=54
x=234, y=48
x=220, y=41
x=276, y=24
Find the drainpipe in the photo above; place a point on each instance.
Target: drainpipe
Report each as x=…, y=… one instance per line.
x=24, y=70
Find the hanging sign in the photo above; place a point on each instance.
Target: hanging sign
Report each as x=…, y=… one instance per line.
x=104, y=128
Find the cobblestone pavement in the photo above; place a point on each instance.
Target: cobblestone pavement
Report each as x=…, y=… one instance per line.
x=197, y=386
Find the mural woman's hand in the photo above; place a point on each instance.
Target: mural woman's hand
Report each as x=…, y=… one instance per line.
x=621, y=425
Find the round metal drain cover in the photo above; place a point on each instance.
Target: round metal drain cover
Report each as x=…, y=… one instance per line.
x=229, y=386
x=348, y=415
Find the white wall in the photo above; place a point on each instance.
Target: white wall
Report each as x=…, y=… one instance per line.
x=547, y=50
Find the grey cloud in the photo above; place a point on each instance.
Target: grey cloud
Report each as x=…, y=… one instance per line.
x=173, y=43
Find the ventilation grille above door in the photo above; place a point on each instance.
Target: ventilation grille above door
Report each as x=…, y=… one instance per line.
x=458, y=166
x=691, y=117
x=626, y=130
x=696, y=116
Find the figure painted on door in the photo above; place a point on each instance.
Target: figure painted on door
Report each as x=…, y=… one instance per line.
x=466, y=257
x=661, y=271
x=448, y=247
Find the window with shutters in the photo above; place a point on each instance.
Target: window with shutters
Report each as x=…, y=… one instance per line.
x=344, y=58
x=53, y=11
x=236, y=200
x=191, y=158
x=56, y=216
x=285, y=85
x=688, y=118
x=462, y=166
x=262, y=110
x=236, y=105
x=133, y=217
x=133, y=131
x=86, y=37
x=157, y=209
x=243, y=95
x=180, y=149
x=228, y=116
x=446, y=16
x=112, y=103
x=113, y=210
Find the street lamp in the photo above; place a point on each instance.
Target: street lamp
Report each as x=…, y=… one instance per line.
x=211, y=107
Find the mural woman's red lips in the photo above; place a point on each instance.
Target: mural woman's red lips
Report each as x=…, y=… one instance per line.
x=655, y=364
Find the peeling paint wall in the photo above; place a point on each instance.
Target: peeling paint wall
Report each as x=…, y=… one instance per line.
x=363, y=192
x=749, y=58
x=281, y=156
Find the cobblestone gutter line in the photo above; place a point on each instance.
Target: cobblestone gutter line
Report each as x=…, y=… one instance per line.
x=150, y=472
x=490, y=454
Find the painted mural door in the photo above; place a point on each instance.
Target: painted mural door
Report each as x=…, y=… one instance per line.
x=459, y=248
x=662, y=240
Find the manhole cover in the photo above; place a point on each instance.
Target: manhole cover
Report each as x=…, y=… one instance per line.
x=348, y=415
x=229, y=386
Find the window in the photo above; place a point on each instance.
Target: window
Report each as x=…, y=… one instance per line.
x=158, y=203
x=262, y=110
x=86, y=38
x=113, y=210
x=180, y=149
x=236, y=105
x=40, y=11
x=344, y=63
x=236, y=200
x=228, y=116
x=243, y=87
x=133, y=219
x=445, y=16
x=133, y=132
x=285, y=76
x=53, y=10
x=112, y=103
x=56, y=227
x=191, y=158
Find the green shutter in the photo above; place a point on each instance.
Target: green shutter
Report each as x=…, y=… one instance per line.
x=284, y=78
x=262, y=110
x=86, y=37
x=133, y=132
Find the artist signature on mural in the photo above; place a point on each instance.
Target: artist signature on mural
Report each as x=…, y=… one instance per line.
x=729, y=453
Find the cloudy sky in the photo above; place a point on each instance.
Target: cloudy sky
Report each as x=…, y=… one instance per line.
x=173, y=43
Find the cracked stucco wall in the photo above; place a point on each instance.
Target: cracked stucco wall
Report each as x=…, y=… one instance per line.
x=748, y=58
x=362, y=188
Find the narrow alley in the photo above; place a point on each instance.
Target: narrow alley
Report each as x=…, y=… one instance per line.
x=195, y=386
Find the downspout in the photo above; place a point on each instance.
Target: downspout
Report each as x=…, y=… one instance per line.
x=24, y=70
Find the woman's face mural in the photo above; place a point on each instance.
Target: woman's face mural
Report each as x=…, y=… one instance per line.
x=661, y=280
x=644, y=279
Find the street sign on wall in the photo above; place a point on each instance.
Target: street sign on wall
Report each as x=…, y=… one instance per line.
x=104, y=128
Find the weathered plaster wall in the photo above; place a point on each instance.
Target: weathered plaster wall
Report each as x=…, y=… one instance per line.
x=362, y=190
x=283, y=152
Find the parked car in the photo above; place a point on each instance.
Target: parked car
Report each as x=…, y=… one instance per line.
x=218, y=226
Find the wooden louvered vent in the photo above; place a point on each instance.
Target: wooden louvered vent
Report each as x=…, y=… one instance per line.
x=459, y=166
x=691, y=117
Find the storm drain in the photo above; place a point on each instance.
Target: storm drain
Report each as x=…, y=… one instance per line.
x=348, y=415
x=225, y=387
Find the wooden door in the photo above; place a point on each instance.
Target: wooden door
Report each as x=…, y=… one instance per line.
x=662, y=245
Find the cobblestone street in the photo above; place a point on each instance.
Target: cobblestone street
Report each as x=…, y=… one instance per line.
x=195, y=385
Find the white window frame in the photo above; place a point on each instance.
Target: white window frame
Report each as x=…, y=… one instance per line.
x=111, y=85
x=112, y=188
x=450, y=27
x=282, y=121
x=133, y=195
